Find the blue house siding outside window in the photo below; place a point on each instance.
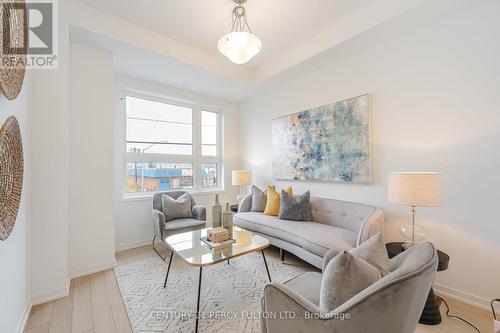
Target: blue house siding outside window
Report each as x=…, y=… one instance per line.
x=164, y=185
x=155, y=179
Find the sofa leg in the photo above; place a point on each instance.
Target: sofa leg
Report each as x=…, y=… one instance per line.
x=282, y=255
x=158, y=253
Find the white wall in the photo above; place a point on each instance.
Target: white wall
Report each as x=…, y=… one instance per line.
x=15, y=250
x=91, y=161
x=49, y=191
x=435, y=95
x=133, y=216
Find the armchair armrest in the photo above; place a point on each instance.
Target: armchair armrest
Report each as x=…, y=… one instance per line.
x=246, y=204
x=158, y=222
x=290, y=312
x=199, y=213
x=373, y=225
x=296, y=314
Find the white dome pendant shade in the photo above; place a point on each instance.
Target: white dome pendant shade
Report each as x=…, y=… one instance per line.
x=240, y=45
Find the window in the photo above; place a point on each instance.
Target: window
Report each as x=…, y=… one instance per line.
x=158, y=128
x=170, y=146
x=153, y=177
x=209, y=175
x=208, y=133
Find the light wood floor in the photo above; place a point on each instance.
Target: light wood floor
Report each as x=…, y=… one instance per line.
x=95, y=305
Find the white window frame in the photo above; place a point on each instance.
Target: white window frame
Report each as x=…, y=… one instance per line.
x=197, y=159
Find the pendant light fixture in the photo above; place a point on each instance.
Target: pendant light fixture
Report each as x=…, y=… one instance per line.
x=240, y=45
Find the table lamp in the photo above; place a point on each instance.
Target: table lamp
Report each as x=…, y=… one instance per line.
x=415, y=189
x=241, y=178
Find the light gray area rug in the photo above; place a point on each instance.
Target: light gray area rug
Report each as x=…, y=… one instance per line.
x=230, y=295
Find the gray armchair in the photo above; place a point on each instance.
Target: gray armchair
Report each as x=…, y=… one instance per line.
x=163, y=229
x=392, y=304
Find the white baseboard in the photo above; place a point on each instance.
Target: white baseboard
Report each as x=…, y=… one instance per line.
x=51, y=295
x=463, y=296
x=92, y=269
x=123, y=247
x=54, y=294
x=24, y=318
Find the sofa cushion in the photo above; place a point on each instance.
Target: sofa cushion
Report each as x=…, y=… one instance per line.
x=183, y=223
x=314, y=237
x=176, y=208
x=374, y=252
x=345, y=276
x=308, y=285
x=295, y=207
x=259, y=199
x=273, y=201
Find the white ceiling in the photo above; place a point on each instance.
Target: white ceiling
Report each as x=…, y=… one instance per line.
x=173, y=42
x=200, y=23
x=150, y=66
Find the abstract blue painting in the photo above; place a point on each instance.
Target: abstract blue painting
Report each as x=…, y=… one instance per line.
x=327, y=143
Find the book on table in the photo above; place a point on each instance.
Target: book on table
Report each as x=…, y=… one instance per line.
x=217, y=244
x=217, y=235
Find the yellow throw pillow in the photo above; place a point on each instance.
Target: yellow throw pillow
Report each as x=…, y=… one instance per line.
x=274, y=201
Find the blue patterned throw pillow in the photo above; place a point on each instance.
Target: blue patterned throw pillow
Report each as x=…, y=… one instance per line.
x=295, y=208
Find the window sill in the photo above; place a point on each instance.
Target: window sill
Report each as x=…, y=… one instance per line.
x=149, y=196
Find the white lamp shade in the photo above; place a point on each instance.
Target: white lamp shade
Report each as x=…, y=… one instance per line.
x=242, y=177
x=239, y=46
x=421, y=189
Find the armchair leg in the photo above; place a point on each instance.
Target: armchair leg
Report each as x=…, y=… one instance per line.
x=157, y=252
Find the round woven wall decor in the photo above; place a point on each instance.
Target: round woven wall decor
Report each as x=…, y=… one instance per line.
x=11, y=174
x=13, y=30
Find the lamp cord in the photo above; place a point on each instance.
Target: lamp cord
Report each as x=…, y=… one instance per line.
x=456, y=317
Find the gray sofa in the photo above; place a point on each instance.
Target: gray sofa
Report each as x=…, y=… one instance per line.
x=335, y=224
x=392, y=304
